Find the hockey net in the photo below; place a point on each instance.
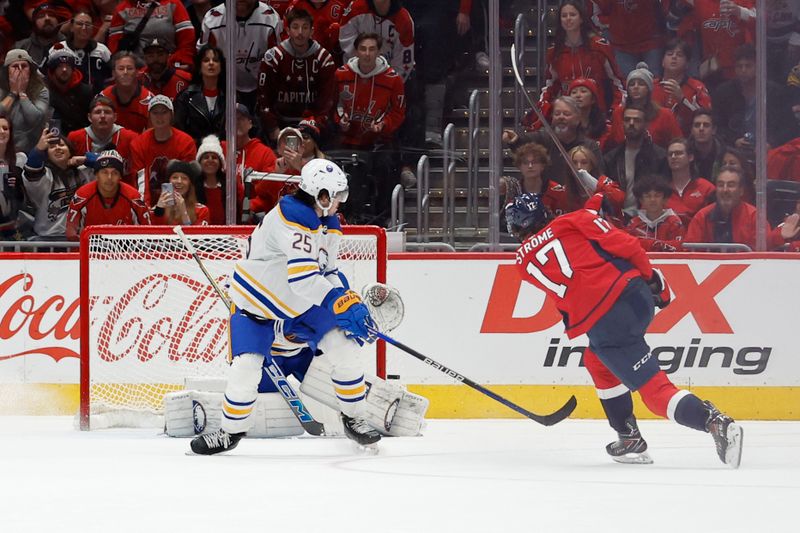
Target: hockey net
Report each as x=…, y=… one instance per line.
x=150, y=320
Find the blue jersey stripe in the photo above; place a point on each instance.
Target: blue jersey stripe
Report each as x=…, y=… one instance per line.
x=259, y=296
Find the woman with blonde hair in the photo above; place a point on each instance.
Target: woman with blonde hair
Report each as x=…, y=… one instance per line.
x=178, y=203
x=587, y=165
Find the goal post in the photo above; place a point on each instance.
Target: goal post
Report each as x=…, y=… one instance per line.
x=150, y=319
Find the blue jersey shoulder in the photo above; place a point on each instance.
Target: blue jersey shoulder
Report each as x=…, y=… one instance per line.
x=296, y=212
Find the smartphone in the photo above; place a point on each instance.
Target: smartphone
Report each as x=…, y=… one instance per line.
x=293, y=142
x=167, y=187
x=55, y=128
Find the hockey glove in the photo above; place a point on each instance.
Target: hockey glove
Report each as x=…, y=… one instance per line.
x=353, y=316
x=661, y=292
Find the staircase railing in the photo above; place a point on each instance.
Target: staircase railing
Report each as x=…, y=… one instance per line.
x=449, y=183
x=397, y=221
x=423, y=198
x=473, y=158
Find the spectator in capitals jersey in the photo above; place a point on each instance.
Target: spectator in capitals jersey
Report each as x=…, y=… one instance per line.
x=689, y=193
x=50, y=177
x=69, y=95
x=721, y=26
x=637, y=157
x=103, y=133
x=327, y=15
x=93, y=58
x=129, y=95
x=106, y=200
x=605, y=287
x=661, y=123
x=371, y=99
x=730, y=219
x=297, y=79
x=577, y=52
x=258, y=29
x=390, y=20
x=24, y=98
x=677, y=91
x=593, y=119
x=152, y=150
x=733, y=157
x=637, y=31
x=704, y=144
x=180, y=206
x=47, y=17
x=655, y=225
x=200, y=109
x=211, y=187
x=168, y=22
x=158, y=76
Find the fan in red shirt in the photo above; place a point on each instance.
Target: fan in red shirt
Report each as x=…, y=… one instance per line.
x=605, y=287
x=130, y=97
x=106, y=200
x=327, y=16
x=158, y=76
x=152, y=150
x=689, y=193
x=578, y=53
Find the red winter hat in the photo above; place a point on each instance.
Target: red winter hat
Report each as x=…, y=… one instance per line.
x=589, y=84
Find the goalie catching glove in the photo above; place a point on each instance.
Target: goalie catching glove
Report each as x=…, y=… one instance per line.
x=660, y=289
x=351, y=315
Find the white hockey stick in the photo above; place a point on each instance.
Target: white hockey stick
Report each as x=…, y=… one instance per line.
x=273, y=371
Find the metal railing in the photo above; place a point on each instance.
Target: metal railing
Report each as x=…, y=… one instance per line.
x=397, y=221
x=423, y=198
x=39, y=246
x=715, y=247
x=449, y=183
x=429, y=247
x=473, y=158
x=486, y=247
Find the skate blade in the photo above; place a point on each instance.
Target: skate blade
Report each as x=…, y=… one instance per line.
x=634, y=459
x=733, y=454
x=367, y=449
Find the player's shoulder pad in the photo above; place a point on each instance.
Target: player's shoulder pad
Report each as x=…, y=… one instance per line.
x=295, y=213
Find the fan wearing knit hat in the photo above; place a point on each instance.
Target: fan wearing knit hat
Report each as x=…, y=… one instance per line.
x=48, y=17
x=22, y=87
x=69, y=96
x=211, y=187
x=661, y=122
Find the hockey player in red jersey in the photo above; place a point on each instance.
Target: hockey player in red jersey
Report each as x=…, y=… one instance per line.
x=605, y=287
x=296, y=80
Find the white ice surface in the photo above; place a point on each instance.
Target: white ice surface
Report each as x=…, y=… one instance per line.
x=462, y=476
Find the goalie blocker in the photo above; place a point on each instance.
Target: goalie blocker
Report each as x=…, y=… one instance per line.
x=390, y=408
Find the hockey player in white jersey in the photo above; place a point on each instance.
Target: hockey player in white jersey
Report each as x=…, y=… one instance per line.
x=288, y=287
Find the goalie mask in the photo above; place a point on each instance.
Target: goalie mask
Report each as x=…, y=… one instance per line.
x=527, y=215
x=322, y=175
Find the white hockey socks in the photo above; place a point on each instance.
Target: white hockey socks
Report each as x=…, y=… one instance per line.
x=241, y=392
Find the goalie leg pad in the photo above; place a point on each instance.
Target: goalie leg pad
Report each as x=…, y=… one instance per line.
x=389, y=407
x=189, y=413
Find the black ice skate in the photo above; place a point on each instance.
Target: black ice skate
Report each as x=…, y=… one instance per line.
x=359, y=431
x=630, y=448
x=215, y=442
x=728, y=435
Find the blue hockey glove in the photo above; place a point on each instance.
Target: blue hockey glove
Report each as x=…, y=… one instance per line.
x=661, y=292
x=353, y=317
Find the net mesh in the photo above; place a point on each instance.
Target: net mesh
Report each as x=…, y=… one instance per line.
x=155, y=320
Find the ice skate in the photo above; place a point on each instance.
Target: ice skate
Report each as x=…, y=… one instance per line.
x=215, y=442
x=728, y=436
x=630, y=447
x=357, y=430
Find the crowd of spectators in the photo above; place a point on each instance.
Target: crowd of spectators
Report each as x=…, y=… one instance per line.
x=654, y=102
x=662, y=95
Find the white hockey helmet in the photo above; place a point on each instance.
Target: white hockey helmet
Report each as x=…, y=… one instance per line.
x=322, y=175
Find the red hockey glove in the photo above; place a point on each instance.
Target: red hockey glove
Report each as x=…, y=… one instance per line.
x=661, y=292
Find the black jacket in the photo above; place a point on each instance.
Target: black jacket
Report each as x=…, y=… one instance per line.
x=651, y=160
x=193, y=116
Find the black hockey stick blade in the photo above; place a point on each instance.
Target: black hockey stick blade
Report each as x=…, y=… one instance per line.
x=545, y=420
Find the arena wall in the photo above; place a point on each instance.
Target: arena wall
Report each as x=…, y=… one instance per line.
x=730, y=334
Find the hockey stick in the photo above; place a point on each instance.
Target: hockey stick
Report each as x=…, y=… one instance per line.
x=274, y=372
x=545, y=124
x=546, y=420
